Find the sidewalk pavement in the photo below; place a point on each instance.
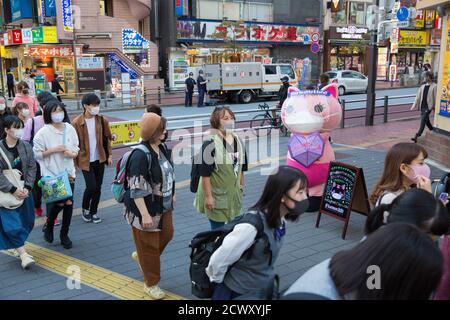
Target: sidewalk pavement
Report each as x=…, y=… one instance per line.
x=103, y=252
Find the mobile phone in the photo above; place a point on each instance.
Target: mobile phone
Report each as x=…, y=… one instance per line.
x=443, y=196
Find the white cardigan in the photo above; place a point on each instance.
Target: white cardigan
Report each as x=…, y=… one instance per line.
x=49, y=137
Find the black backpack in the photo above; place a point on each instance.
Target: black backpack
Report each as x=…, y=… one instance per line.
x=195, y=167
x=204, y=244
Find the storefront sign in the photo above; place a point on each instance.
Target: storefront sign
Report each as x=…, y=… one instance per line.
x=91, y=80
x=67, y=15
x=21, y=9
x=181, y=8
x=444, y=108
x=349, y=33
x=50, y=51
x=413, y=39
x=394, y=39
x=16, y=36
x=420, y=19
x=90, y=63
x=133, y=41
x=382, y=63
x=220, y=31
x=38, y=35
x=429, y=19
x=123, y=66
x=5, y=39
x=435, y=37
x=49, y=7
x=50, y=35
x=27, y=36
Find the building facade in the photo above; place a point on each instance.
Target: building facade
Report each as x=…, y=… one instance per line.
x=191, y=33
x=90, y=44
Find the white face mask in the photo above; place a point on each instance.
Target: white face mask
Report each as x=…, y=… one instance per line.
x=58, y=117
x=95, y=111
x=2, y=107
x=228, y=126
x=18, y=133
x=26, y=112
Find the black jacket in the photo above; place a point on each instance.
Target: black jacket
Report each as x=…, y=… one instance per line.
x=283, y=93
x=56, y=87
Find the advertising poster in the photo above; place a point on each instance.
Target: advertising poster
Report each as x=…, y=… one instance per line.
x=382, y=63
x=126, y=132
x=444, y=108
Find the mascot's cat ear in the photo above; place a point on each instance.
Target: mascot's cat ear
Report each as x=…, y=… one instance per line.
x=332, y=89
x=293, y=89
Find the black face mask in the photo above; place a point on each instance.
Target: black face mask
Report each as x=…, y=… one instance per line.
x=299, y=208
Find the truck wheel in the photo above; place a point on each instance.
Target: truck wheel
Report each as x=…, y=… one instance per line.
x=246, y=96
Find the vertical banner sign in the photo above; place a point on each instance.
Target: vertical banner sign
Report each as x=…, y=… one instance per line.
x=345, y=191
x=50, y=8
x=429, y=19
x=444, y=108
x=27, y=36
x=420, y=19
x=38, y=35
x=67, y=15
x=17, y=36
x=178, y=8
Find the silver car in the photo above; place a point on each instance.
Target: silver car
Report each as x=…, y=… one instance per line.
x=348, y=81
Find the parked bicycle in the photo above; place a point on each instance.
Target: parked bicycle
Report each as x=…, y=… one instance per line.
x=265, y=122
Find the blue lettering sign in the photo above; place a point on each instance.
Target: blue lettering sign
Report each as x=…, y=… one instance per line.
x=178, y=8
x=67, y=15
x=123, y=66
x=50, y=8
x=133, y=41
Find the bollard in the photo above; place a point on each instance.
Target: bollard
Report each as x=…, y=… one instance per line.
x=385, y=112
x=159, y=95
x=343, y=114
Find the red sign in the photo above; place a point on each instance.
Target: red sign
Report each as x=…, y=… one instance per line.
x=315, y=37
x=16, y=36
x=50, y=51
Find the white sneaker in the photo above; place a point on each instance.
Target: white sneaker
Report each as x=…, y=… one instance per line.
x=154, y=292
x=27, y=261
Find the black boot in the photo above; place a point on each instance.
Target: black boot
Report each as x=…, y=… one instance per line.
x=66, y=242
x=415, y=138
x=48, y=232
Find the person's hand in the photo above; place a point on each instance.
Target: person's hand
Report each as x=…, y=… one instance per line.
x=69, y=154
x=20, y=194
x=424, y=183
x=147, y=221
x=59, y=149
x=110, y=161
x=413, y=108
x=209, y=203
x=26, y=192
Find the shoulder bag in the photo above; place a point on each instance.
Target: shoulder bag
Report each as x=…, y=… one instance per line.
x=7, y=199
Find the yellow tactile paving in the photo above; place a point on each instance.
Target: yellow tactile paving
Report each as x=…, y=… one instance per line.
x=105, y=280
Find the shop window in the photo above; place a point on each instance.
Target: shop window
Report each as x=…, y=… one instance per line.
x=235, y=74
x=356, y=13
x=288, y=71
x=228, y=75
x=271, y=69
x=250, y=74
x=106, y=8
x=257, y=73
x=339, y=12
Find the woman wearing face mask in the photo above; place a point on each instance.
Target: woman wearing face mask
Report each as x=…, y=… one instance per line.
x=16, y=225
x=94, y=136
x=285, y=197
x=224, y=161
x=404, y=168
x=21, y=111
x=25, y=97
x=55, y=156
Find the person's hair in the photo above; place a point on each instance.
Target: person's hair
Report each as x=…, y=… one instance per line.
x=55, y=75
x=217, y=114
x=391, y=179
x=50, y=107
x=19, y=106
x=278, y=184
x=415, y=206
x=32, y=76
x=158, y=132
x=409, y=262
x=44, y=97
x=324, y=78
x=23, y=87
x=429, y=75
x=11, y=121
x=154, y=108
x=90, y=99
x=8, y=70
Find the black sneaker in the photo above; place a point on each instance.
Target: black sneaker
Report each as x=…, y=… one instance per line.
x=86, y=215
x=96, y=219
x=66, y=242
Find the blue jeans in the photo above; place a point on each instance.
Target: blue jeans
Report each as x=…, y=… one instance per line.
x=216, y=224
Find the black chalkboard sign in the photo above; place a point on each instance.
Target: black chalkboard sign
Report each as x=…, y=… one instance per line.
x=345, y=191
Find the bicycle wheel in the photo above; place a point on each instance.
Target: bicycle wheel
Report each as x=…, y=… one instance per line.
x=260, y=124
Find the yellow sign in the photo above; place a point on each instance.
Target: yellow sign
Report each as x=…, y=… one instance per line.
x=413, y=39
x=2, y=51
x=444, y=107
x=50, y=35
x=420, y=19
x=125, y=132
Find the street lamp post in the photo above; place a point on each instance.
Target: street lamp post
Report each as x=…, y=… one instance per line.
x=372, y=75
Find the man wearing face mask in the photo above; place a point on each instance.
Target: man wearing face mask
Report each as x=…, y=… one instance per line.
x=190, y=83
x=94, y=136
x=4, y=112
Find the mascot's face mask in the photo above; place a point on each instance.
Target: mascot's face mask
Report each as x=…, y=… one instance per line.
x=309, y=111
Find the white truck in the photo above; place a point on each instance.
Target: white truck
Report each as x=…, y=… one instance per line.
x=245, y=81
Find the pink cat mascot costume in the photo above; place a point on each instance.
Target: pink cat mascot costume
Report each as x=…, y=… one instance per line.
x=310, y=115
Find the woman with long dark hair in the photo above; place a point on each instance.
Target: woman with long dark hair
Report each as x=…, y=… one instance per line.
x=285, y=197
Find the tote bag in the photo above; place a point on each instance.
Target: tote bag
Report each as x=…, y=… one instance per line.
x=57, y=188
x=7, y=199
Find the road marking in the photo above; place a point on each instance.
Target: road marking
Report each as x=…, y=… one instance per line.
x=112, y=283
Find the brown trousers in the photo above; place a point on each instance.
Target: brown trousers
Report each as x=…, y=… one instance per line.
x=150, y=246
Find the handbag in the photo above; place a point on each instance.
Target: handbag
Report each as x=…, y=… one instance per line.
x=57, y=188
x=7, y=199
x=105, y=140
